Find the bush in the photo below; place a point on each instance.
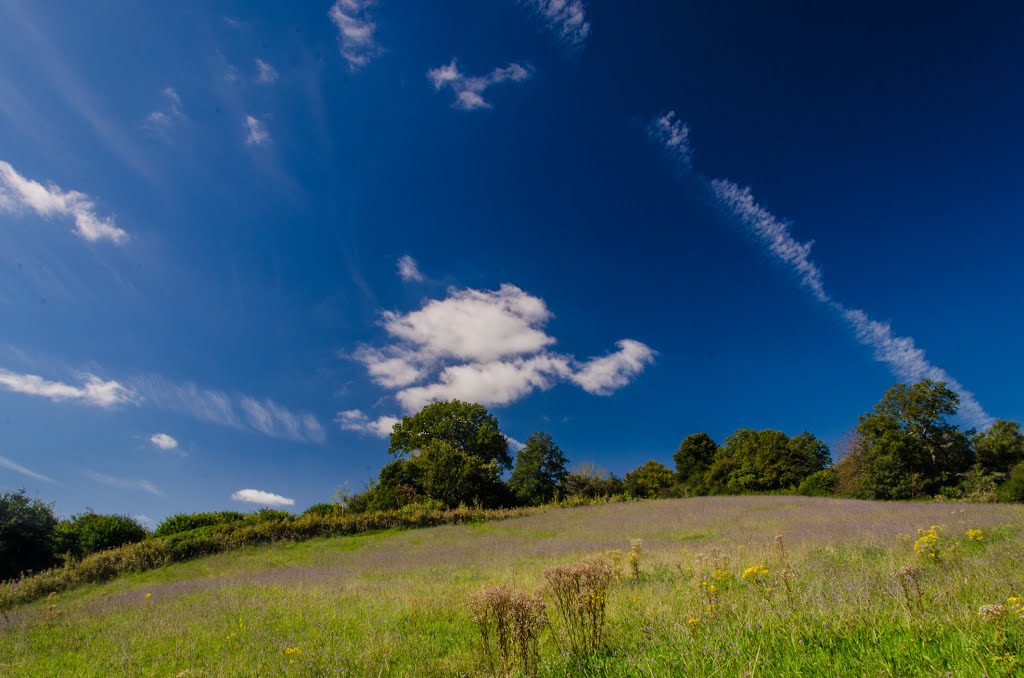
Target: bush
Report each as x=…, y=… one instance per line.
x=324, y=509
x=1013, y=488
x=26, y=534
x=91, y=532
x=590, y=482
x=820, y=484
x=648, y=481
x=185, y=522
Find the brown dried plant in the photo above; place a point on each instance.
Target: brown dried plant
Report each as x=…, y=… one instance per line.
x=511, y=623
x=579, y=594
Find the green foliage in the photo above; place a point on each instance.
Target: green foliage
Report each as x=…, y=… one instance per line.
x=819, y=484
x=693, y=459
x=999, y=448
x=648, y=481
x=539, y=472
x=90, y=532
x=765, y=461
x=26, y=534
x=465, y=426
x=185, y=522
x=587, y=481
x=910, y=447
x=453, y=476
x=1013, y=488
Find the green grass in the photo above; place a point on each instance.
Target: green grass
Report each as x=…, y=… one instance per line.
x=395, y=603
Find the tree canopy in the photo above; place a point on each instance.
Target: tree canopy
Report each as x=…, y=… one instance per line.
x=465, y=426
x=539, y=471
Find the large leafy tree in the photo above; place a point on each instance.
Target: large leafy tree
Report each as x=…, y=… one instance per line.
x=465, y=426
x=910, y=446
x=693, y=459
x=453, y=476
x=539, y=471
x=1000, y=448
x=760, y=461
x=648, y=481
x=26, y=534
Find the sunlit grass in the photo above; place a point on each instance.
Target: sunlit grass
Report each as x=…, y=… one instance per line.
x=842, y=593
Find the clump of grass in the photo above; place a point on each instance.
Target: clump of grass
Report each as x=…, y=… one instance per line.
x=579, y=594
x=909, y=579
x=510, y=623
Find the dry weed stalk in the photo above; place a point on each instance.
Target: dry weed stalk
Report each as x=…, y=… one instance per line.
x=511, y=623
x=579, y=592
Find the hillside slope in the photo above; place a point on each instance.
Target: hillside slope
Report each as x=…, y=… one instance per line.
x=396, y=603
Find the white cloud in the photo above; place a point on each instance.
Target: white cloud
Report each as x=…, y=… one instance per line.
x=566, y=18
x=486, y=346
x=266, y=74
x=263, y=498
x=124, y=483
x=27, y=472
x=356, y=31
x=162, y=120
x=233, y=411
x=94, y=391
x=271, y=419
x=469, y=91
x=514, y=444
x=17, y=193
x=163, y=441
x=256, y=131
x=144, y=520
x=356, y=420
x=904, y=359
x=408, y=270
x=603, y=376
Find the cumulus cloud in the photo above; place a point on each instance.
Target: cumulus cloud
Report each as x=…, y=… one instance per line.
x=162, y=120
x=356, y=31
x=94, y=391
x=18, y=193
x=901, y=354
x=261, y=497
x=125, y=484
x=265, y=73
x=22, y=470
x=256, y=131
x=469, y=91
x=356, y=420
x=605, y=375
x=408, y=270
x=163, y=441
x=489, y=347
x=565, y=18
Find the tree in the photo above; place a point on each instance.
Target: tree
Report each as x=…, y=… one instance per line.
x=910, y=448
x=693, y=459
x=91, y=532
x=764, y=461
x=452, y=476
x=590, y=481
x=1000, y=448
x=539, y=471
x=465, y=426
x=648, y=481
x=26, y=534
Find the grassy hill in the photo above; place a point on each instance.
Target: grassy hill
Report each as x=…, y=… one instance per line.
x=831, y=588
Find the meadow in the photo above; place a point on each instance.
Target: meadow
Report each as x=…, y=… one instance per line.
x=726, y=586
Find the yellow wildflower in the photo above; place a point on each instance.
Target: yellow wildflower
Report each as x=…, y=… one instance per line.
x=755, y=572
x=693, y=621
x=148, y=596
x=975, y=535
x=721, y=575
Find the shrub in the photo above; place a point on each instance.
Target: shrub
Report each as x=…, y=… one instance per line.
x=26, y=534
x=324, y=509
x=589, y=482
x=185, y=522
x=90, y=532
x=1013, y=488
x=820, y=484
x=510, y=624
x=648, y=480
x=579, y=593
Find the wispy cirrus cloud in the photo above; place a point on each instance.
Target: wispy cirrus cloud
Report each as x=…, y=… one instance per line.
x=409, y=270
x=901, y=354
x=161, y=121
x=256, y=131
x=18, y=193
x=486, y=346
x=357, y=32
x=567, y=19
x=93, y=391
x=469, y=90
x=265, y=73
x=262, y=498
x=11, y=465
x=125, y=483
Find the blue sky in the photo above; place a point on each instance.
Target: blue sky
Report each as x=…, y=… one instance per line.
x=237, y=239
